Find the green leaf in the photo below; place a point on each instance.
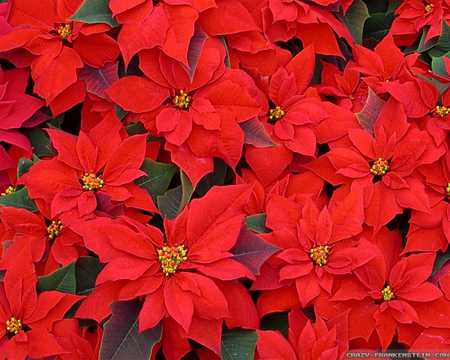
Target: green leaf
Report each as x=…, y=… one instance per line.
x=429, y=44
x=24, y=165
x=172, y=203
x=354, y=19
x=378, y=26
x=134, y=129
x=158, y=179
x=19, y=199
x=87, y=269
x=122, y=339
x=227, y=57
x=443, y=44
x=39, y=141
x=438, y=66
x=239, y=344
x=370, y=112
x=217, y=177
x=62, y=280
x=255, y=134
x=441, y=259
x=393, y=5
x=251, y=251
x=94, y=12
x=276, y=321
x=257, y=223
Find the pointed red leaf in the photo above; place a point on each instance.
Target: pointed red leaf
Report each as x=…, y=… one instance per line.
x=137, y=94
x=368, y=116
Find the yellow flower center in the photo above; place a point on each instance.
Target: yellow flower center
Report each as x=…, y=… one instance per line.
x=429, y=7
x=441, y=111
x=319, y=254
x=182, y=100
x=8, y=191
x=447, y=189
x=54, y=229
x=379, y=167
x=64, y=31
x=92, y=182
x=277, y=113
x=387, y=293
x=14, y=325
x=171, y=257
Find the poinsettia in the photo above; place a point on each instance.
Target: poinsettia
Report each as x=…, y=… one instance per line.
x=395, y=295
x=28, y=317
x=89, y=167
x=197, y=112
x=388, y=70
x=295, y=118
x=49, y=240
x=59, y=48
x=318, y=246
x=18, y=110
x=417, y=16
x=185, y=276
x=306, y=340
x=430, y=231
x=311, y=23
x=383, y=164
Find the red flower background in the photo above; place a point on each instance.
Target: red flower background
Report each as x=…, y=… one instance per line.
x=224, y=179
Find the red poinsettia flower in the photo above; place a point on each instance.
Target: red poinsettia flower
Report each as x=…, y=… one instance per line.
x=87, y=166
x=306, y=340
x=198, y=111
x=28, y=317
x=392, y=294
x=383, y=164
x=414, y=16
x=388, y=70
x=185, y=277
x=311, y=23
x=59, y=48
x=46, y=238
x=344, y=86
x=431, y=231
x=321, y=249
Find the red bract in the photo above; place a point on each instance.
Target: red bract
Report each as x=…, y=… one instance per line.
x=184, y=276
x=28, y=317
x=87, y=166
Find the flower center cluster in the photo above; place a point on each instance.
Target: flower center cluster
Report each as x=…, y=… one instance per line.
x=429, y=7
x=92, y=182
x=64, y=31
x=14, y=325
x=319, y=254
x=182, y=100
x=387, y=293
x=380, y=167
x=171, y=257
x=441, y=111
x=8, y=191
x=276, y=114
x=447, y=189
x=54, y=229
